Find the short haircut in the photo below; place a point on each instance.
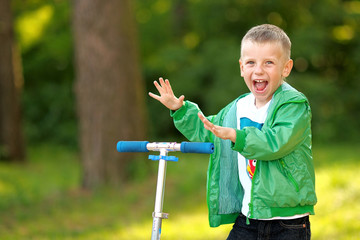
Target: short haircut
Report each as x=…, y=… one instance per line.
x=269, y=33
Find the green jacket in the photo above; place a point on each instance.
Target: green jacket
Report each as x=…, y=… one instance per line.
x=284, y=180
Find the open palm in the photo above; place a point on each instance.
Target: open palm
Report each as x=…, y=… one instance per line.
x=167, y=97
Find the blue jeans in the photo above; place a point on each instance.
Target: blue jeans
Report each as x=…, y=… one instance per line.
x=298, y=229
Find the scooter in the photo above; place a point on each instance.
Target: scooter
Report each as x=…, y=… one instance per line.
x=163, y=148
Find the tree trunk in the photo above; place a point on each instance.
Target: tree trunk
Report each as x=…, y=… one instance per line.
x=109, y=88
x=12, y=145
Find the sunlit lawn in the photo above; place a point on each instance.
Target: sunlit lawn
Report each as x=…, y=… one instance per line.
x=42, y=199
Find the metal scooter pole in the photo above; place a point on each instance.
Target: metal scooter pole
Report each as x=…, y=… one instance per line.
x=158, y=215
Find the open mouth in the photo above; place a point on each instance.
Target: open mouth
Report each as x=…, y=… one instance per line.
x=260, y=85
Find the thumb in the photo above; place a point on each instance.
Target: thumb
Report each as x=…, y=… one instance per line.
x=181, y=98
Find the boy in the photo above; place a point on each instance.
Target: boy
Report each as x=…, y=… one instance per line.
x=261, y=175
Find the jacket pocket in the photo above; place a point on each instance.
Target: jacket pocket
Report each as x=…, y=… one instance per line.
x=288, y=174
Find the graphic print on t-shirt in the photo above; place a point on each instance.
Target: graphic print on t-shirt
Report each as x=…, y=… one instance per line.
x=250, y=163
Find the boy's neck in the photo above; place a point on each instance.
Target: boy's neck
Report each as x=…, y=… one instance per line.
x=260, y=104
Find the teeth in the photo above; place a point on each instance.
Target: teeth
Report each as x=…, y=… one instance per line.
x=259, y=81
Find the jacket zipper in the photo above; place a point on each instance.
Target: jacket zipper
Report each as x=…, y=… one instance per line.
x=290, y=176
x=251, y=208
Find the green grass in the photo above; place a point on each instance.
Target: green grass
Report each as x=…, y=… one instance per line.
x=338, y=188
x=43, y=199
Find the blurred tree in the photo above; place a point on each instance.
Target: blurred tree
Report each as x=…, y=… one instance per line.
x=108, y=87
x=12, y=146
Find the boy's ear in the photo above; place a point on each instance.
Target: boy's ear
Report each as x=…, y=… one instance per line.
x=241, y=68
x=287, y=68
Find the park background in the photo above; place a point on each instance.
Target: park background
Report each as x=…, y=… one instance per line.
x=49, y=190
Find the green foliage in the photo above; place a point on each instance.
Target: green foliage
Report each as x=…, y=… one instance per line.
x=196, y=45
x=43, y=199
x=47, y=56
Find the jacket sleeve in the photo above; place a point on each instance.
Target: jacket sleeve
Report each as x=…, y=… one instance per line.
x=189, y=124
x=291, y=126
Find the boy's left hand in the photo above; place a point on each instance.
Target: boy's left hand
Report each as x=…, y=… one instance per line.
x=221, y=132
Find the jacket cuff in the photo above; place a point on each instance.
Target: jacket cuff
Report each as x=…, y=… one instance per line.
x=178, y=114
x=239, y=142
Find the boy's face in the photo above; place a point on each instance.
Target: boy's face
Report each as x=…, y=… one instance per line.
x=263, y=67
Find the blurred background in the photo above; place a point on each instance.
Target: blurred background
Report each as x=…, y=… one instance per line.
x=74, y=77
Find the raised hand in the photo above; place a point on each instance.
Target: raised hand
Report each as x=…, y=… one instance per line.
x=167, y=97
x=221, y=132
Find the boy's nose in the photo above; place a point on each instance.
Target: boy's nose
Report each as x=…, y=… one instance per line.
x=259, y=69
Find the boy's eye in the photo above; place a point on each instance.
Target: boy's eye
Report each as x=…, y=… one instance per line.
x=269, y=62
x=250, y=62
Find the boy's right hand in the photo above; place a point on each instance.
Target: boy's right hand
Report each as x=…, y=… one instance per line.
x=167, y=97
x=221, y=132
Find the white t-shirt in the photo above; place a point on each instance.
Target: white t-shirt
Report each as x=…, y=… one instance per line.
x=249, y=116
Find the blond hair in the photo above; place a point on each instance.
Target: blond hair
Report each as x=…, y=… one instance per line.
x=268, y=33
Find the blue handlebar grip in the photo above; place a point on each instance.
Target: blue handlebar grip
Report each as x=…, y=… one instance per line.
x=132, y=146
x=197, y=147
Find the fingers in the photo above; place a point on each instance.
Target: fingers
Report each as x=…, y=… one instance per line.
x=207, y=124
x=166, y=95
x=163, y=87
x=221, y=132
x=156, y=97
x=201, y=116
x=162, y=83
x=158, y=87
x=168, y=87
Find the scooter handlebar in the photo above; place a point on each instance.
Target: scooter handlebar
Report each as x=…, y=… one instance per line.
x=184, y=147
x=132, y=146
x=197, y=147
